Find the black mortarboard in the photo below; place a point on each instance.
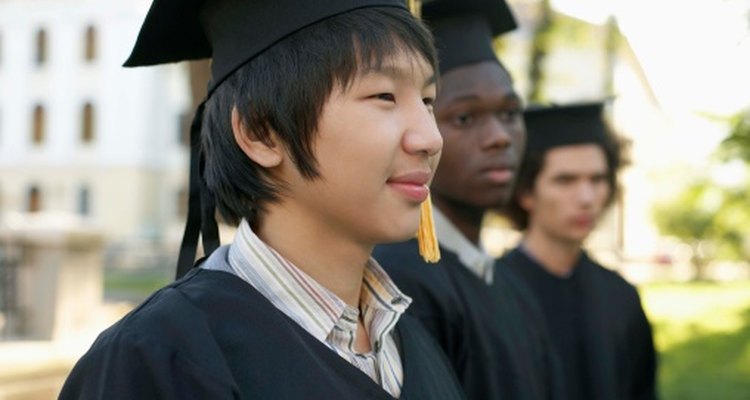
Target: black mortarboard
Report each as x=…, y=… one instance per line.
x=231, y=32
x=548, y=127
x=464, y=29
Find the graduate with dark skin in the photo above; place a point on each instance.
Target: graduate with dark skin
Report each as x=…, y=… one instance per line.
x=485, y=320
x=317, y=139
x=479, y=116
x=567, y=180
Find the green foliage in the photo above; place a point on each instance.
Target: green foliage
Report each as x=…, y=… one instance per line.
x=737, y=145
x=702, y=334
x=715, y=220
x=539, y=48
x=572, y=32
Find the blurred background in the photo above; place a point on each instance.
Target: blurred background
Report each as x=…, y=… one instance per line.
x=93, y=172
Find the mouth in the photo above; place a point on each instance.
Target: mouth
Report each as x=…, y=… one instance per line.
x=412, y=185
x=499, y=174
x=583, y=221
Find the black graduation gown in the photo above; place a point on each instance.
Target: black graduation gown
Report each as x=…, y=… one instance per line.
x=211, y=335
x=491, y=334
x=598, y=327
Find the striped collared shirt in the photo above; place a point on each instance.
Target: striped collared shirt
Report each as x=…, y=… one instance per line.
x=473, y=257
x=323, y=314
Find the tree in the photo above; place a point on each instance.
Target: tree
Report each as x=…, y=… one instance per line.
x=686, y=218
x=539, y=49
x=713, y=219
x=737, y=144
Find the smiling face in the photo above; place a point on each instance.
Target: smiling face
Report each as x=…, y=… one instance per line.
x=377, y=147
x=479, y=117
x=570, y=193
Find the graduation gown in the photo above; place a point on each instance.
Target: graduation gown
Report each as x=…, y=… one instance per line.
x=211, y=335
x=598, y=326
x=491, y=334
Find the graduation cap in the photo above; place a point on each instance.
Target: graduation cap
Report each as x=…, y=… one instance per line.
x=553, y=126
x=232, y=33
x=464, y=29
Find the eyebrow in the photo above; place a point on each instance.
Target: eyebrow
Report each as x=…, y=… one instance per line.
x=567, y=174
x=473, y=97
x=399, y=74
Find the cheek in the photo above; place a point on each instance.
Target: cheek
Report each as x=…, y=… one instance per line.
x=602, y=195
x=519, y=143
x=554, y=203
x=456, y=151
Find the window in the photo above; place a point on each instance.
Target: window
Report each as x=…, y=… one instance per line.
x=38, y=122
x=87, y=123
x=84, y=204
x=34, y=200
x=90, y=44
x=41, y=47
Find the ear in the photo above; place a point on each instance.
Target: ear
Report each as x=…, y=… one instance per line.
x=267, y=155
x=526, y=200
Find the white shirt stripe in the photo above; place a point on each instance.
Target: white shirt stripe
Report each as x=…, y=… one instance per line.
x=323, y=314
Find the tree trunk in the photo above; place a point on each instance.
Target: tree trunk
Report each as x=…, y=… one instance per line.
x=539, y=50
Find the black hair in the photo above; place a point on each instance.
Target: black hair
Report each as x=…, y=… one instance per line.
x=284, y=89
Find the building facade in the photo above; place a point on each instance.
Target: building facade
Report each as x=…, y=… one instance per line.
x=80, y=134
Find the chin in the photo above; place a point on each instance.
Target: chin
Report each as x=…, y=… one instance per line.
x=399, y=235
x=578, y=238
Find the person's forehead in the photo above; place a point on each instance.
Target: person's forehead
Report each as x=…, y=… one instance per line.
x=404, y=65
x=484, y=79
x=578, y=158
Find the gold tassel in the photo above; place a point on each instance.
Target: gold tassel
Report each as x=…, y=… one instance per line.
x=415, y=6
x=428, y=244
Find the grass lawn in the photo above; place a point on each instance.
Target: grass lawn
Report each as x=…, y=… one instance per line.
x=702, y=332
x=134, y=285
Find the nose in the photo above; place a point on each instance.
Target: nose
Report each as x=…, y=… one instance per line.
x=422, y=134
x=586, y=193
x=496, y=134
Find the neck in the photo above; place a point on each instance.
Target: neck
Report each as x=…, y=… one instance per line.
x=556, y=256
x=330, y=258
x=467, y=220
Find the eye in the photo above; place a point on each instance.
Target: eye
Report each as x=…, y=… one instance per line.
x=564, y=179
x=429, y=102
x=599, y=179
x=510, y=116
x=389, y=97
x=463, y=120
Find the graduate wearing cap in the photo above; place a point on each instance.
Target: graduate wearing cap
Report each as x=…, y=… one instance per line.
x=486, y=320
x=568, y=178
x=316, y=138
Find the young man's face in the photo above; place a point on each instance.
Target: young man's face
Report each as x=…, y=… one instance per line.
x=479, y=116
x=377, y=146
x=570, y=193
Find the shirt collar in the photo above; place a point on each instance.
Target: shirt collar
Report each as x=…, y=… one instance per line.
x=304, y=300
x=473, y=257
